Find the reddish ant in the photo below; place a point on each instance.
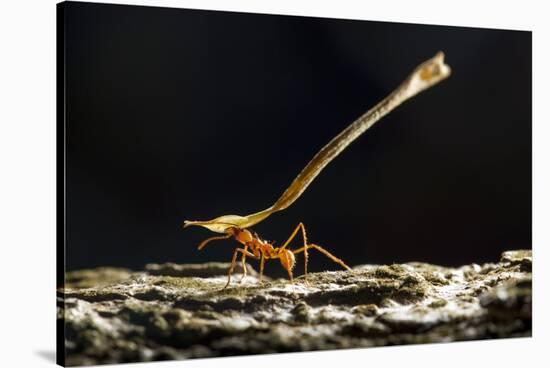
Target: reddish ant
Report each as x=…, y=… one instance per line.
x=262, y=250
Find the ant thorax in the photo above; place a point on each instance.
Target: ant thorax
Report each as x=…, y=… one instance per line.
x=266, y=246
x=245, y=237
x=260, y=243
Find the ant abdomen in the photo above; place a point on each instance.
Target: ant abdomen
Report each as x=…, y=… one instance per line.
x=287, y=259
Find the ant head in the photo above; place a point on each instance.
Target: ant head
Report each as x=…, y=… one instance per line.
x=243, y=236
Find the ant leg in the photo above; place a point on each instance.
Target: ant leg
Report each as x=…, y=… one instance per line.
x=300, y=226
x=243, y=262
x=304, y=237
x=325, y=252
x=233, y=261
x=262, y=261
x=204, y=242
x=289, y=270
x=231, y=267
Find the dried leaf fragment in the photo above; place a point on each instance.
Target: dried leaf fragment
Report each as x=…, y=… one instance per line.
x=424, y=76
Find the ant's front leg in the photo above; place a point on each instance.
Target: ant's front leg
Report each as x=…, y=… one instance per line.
x=243, y=262
x=233, y=261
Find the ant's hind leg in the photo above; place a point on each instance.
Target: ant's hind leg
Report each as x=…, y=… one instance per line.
x=330, y=255
x=304, y=248
x=304, y=235
x=306, y=258
x=325, y=252
x=290, y=275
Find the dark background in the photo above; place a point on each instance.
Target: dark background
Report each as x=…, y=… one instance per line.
x=182, y=114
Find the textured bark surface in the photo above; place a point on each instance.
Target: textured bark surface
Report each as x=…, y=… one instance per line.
x=173, y=311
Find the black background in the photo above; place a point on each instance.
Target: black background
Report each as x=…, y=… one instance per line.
x=183, y=114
